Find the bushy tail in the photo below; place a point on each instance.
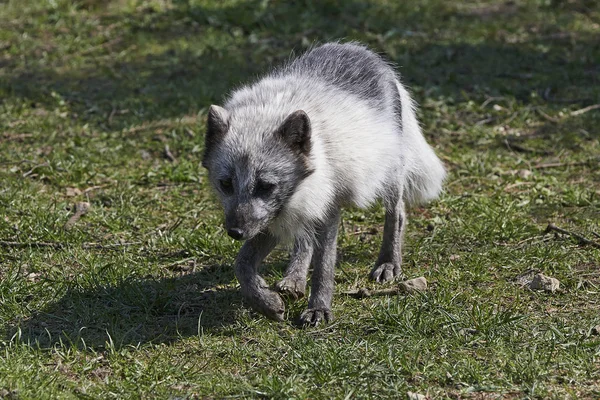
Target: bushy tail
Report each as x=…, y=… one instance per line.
x=424, y=172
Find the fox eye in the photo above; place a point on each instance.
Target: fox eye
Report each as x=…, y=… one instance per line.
x=226, y=186
x=264, y=188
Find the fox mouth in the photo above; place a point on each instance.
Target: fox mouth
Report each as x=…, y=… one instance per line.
x=241, y=233
x=247, y=228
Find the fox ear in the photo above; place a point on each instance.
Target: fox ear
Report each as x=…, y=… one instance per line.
x=296, y=131
x=216, y=128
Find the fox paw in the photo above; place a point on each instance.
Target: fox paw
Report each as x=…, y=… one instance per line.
x=267, y=302
x=314, y=316
x=385, y=272
x=294, y=288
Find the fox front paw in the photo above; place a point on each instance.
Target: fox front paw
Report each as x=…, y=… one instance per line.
x=385, y=272
x=267, y=302
x=295, y=288
x=315, y=316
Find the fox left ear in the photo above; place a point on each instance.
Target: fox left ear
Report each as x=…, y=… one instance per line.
x=296, y=131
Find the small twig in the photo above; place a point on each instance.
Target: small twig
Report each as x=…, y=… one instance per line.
x=165, y=123
x=523, y=149
x=8, y=243
x=17, y=162
x=547, y=117
x=596, y=234
x=167, y=184
x=58, y=245
x=364, y=292
x=16, y=136
x=580, y=238
x=163, y=184
x=559, y=164
x=179, y=262
x=527, y=240
x=584, y=110
x=26, y=174
x=372, y=231
x=485, y=121
x=107, y=246
x=81, y=209
x=92, y=188
x=175, y=254
x=596, y=273
x=168, y=154
x=489, y=100
x=516, y=184
x=110, y=116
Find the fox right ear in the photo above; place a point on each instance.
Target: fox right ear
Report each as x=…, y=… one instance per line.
x=216, y=128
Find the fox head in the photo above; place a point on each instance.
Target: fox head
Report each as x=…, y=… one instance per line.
x=255, y=169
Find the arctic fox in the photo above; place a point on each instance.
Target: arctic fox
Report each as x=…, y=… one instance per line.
x=333, y=127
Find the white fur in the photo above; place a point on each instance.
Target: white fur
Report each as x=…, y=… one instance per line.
x=357, y=153
x=424, y=173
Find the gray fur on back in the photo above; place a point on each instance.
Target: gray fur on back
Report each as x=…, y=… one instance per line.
x=349, y=66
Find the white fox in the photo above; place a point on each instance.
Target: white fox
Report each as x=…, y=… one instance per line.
x=333, y=127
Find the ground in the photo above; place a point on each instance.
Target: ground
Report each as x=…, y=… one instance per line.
x=105, y=102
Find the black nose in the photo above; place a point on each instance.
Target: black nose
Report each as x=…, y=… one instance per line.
x=235, y=233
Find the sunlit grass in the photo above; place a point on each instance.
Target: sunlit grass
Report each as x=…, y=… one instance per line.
x=139, y=299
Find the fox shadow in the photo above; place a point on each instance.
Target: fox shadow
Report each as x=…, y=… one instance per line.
x=136, y=311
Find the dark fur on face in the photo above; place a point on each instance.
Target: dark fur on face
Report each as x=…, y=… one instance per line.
x=254, y=186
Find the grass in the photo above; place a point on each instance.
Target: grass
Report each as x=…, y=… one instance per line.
x=92, y=92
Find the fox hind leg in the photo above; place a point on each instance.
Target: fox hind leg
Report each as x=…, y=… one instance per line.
x=389, y=262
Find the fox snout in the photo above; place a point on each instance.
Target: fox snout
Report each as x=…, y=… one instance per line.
x=242, y=231
x=236, y=227
x=243, y=223
x=236, y=233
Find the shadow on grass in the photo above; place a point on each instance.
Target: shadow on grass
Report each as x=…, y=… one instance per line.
x=151, y=85
x=241, y=40
x=574, y=134
x=135, y=311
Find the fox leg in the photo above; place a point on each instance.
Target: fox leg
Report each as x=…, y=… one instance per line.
x=253, y=287
x=322, y=281
x=389, y=262
x=294, y=280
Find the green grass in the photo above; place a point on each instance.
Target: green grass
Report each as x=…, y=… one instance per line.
x=91, y=92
